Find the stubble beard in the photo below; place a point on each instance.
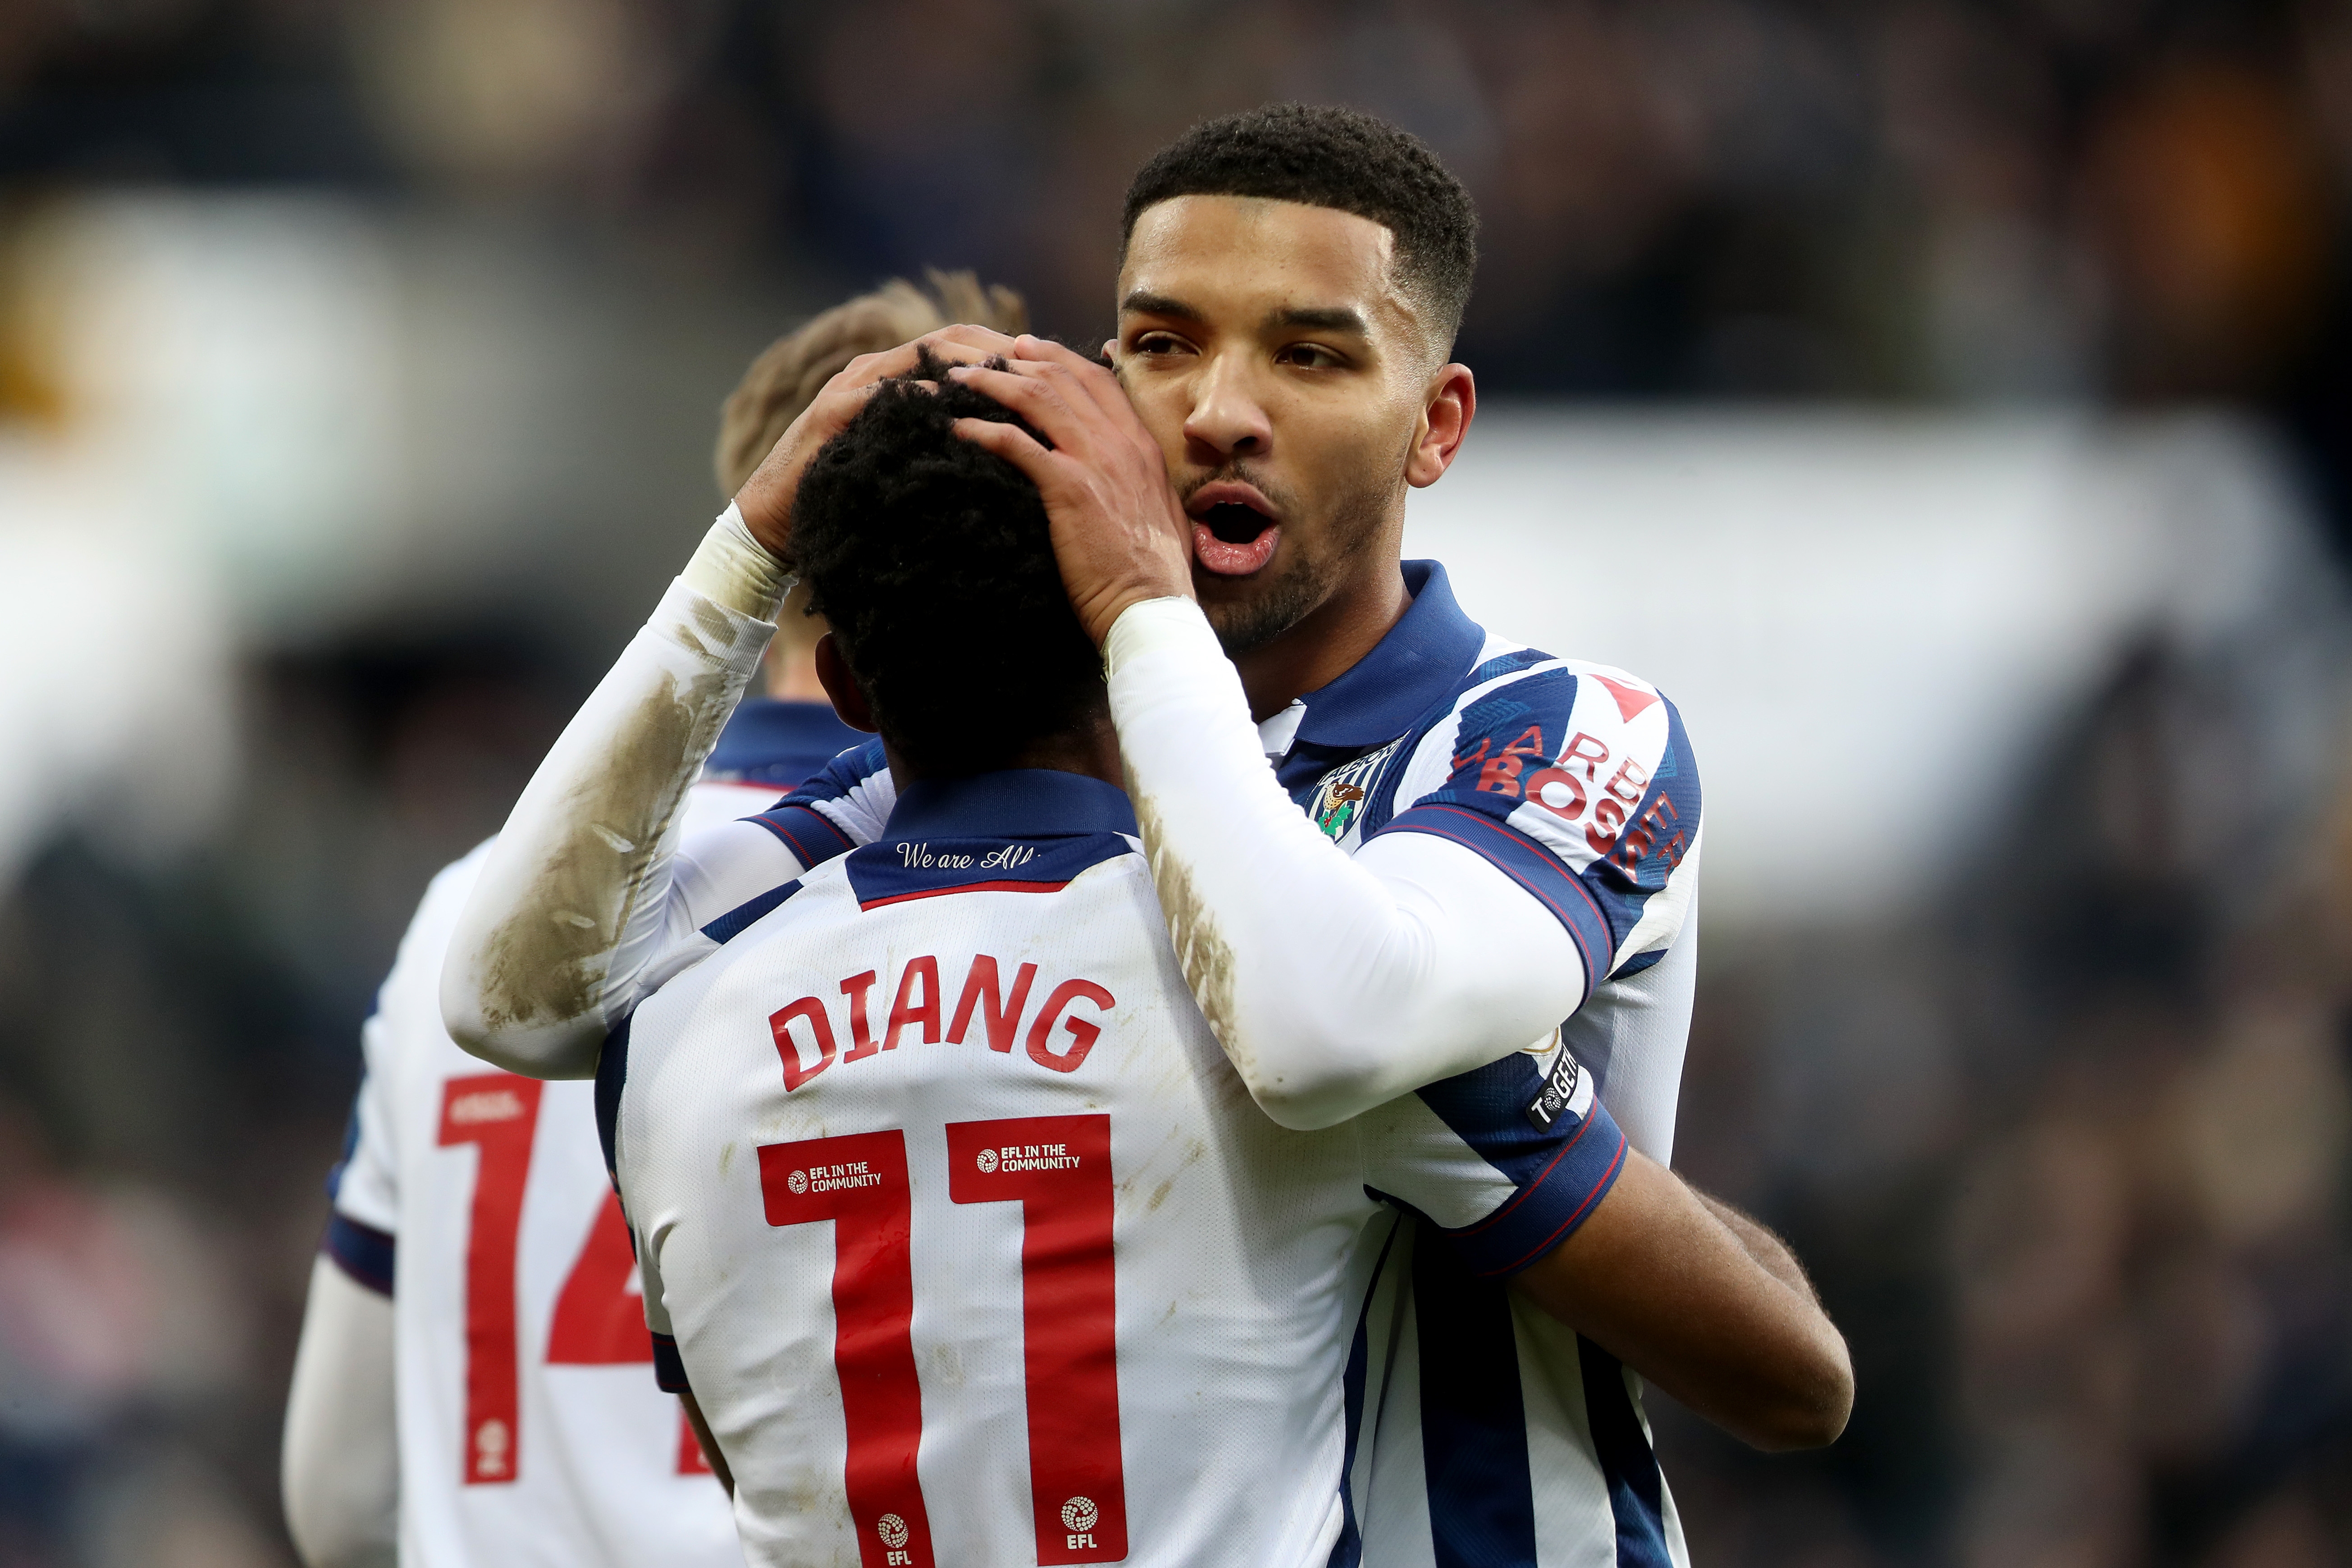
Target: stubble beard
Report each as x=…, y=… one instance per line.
x=1306, y=582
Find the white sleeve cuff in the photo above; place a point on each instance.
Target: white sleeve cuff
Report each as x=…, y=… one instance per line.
x=1170, y=624
x=732, y=569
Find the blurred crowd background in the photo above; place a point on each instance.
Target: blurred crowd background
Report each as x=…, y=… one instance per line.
x=359, y=364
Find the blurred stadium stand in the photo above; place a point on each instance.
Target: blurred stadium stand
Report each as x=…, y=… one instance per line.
x=1949, y=402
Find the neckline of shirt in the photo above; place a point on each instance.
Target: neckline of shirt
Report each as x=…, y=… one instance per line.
x=768, y=732
x=1014, y=803
x=1377, y=699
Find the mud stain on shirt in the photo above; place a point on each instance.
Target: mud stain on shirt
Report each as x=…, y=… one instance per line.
x=1201, y=949
x=547, y=961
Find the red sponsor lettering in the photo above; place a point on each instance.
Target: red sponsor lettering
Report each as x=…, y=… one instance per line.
x=1501, y=776
x=1585, y=749
x=1627, y=782
x=1637, y=843
x=1542, y=786
x=1529, y=744
x=1608, y=816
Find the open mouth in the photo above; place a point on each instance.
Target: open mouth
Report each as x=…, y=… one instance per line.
x=1233, y=539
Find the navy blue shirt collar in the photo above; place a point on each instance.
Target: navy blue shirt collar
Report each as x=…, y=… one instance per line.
x=1430, y=649
x=779, y=742
x=1017, y=803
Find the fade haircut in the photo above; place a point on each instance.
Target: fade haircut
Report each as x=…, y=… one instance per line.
x=1327, y=156
x=931, y=560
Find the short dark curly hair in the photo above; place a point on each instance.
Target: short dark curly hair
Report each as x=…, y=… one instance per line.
x=1327, y=156
x=931, y=560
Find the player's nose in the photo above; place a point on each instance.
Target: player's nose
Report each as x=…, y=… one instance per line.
x=1227, y=416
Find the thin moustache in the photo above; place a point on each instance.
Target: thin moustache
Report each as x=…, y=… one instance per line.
x=1226, y=492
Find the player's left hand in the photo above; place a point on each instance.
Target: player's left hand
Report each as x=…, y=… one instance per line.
x=1119, y=533
x=765, y=501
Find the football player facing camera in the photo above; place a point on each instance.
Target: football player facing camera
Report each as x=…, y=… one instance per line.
x=959, y=1228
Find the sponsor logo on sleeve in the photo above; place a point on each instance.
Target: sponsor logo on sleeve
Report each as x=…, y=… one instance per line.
x=1566, y=1093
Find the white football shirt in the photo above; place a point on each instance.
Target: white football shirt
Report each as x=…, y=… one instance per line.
x=1501, y=1438
x=532, y=1429
x=973, y=1247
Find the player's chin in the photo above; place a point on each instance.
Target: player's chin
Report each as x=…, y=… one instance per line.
x=1247, y=613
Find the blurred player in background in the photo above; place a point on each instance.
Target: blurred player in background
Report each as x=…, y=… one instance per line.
x=487, y=1399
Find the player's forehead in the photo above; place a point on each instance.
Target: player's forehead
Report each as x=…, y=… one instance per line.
x=1241, y=262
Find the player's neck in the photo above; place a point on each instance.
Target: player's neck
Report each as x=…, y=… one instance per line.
x=1090, y=748
x=1327, y=642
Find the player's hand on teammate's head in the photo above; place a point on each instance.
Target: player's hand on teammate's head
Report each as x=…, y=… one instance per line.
x=1119, y=533
x=766, y=498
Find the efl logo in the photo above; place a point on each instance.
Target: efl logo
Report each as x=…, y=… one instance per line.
x=1079, y=1516
x=893, y=1532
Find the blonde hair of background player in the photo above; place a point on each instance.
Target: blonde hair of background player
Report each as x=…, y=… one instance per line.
x=793, y=370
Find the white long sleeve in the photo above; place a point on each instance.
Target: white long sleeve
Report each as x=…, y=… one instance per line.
x=1335, y=983
x=339, y=1471
x=575, y=901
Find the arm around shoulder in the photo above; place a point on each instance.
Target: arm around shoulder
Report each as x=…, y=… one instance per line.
x=1335, y=983
x=573, y=903
x=1706, y=1303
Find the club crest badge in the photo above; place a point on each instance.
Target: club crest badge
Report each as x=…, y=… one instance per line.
x=1340, y=798
x=1336, y=807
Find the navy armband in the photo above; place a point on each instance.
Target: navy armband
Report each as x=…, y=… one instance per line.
x=1550, y=1135
x=361, y=1251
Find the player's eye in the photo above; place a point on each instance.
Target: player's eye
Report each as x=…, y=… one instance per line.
x=1308, y=356
x=1157, y=344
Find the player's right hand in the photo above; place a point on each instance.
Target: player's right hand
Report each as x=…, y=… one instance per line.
x=766, y=498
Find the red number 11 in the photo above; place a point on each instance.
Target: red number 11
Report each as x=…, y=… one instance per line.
x=1058, y=1169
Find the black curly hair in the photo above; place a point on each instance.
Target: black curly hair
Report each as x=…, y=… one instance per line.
x=930, y=559
x=1327, y=156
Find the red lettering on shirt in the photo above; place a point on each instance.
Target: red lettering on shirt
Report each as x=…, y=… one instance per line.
x=904, y=1012
x=1002, y=1020
x=861, y=1025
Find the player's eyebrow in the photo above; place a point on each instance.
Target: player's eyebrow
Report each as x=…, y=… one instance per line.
x=1143, y=303
x=1321, y=319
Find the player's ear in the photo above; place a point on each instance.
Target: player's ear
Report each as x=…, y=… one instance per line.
x=1452, y=402
x=832, y=674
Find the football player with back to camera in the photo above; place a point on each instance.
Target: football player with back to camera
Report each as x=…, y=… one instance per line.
x=958, y=1227
x=492, y=1404
x=1461, y=841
